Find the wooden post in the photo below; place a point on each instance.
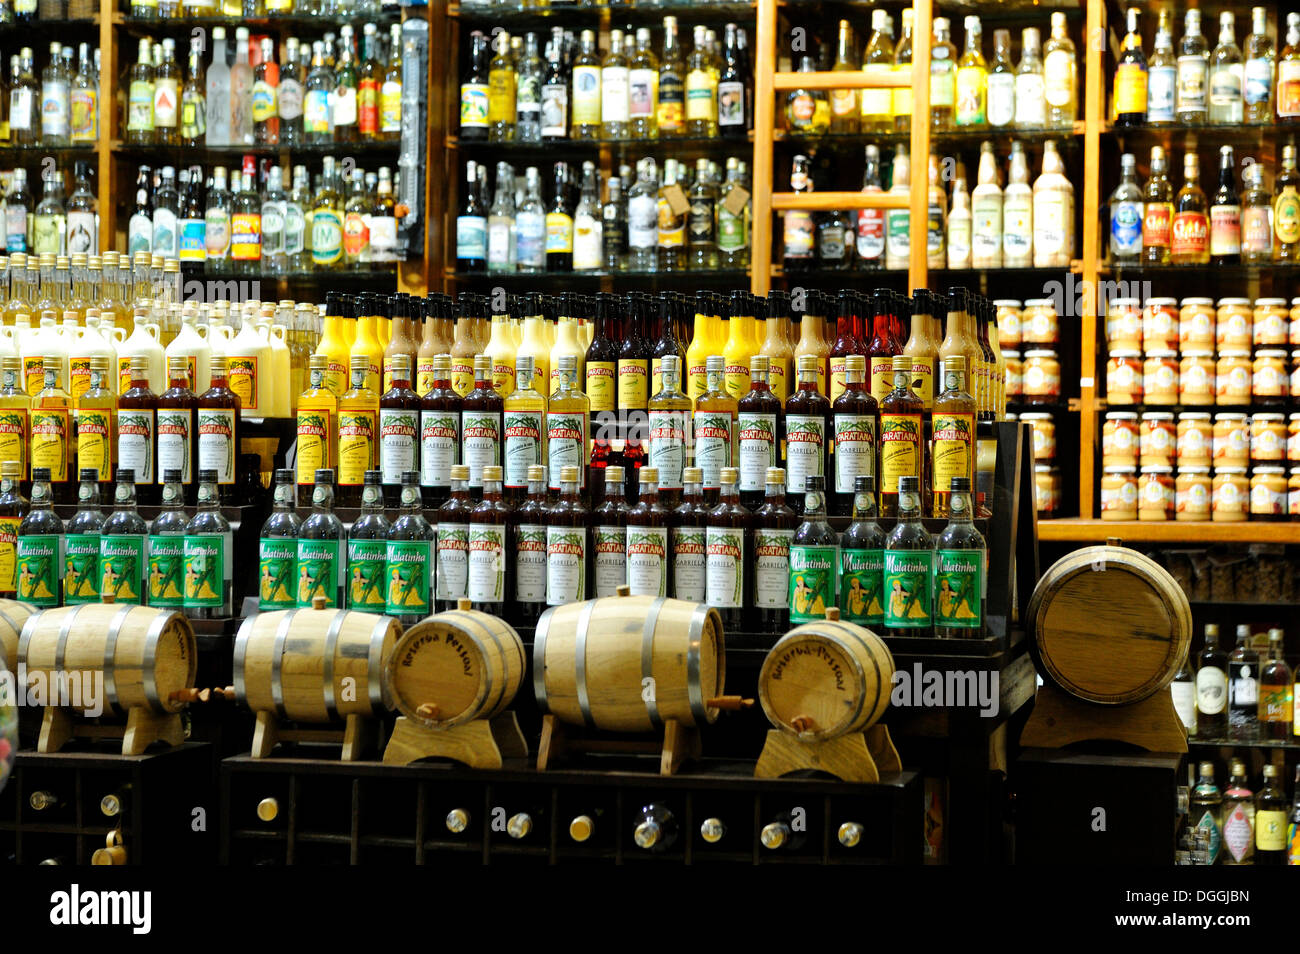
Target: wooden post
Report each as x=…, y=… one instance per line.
x=1095, y=39
x=108, y=131
x=922, y=18
x=765, y=45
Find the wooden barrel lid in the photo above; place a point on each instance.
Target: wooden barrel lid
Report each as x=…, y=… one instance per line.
x=175, y=659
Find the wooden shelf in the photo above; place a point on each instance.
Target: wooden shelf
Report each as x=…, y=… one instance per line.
x=1075, y=530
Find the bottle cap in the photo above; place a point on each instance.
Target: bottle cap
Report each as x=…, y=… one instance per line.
x=690, y=475
x=491, y=472
x=568, y=475
x=613, y=475
x=774, y=475
x=650, y=475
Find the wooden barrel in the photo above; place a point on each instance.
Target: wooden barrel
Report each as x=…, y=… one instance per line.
x=13, y=614
x=146, y=655
x=826, y=679
x=314, y=665
x=454, y=667
x=593, y=662
x=1109, y=625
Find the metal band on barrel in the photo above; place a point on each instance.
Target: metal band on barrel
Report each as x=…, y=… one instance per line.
x=539, y=658
x=110, y=651
x=151, y=638
x=327, y=669
x=241, y=653
x=580, y=663
x=694, y=636
x=375, y=666
x=648, y=660
x=277, y=659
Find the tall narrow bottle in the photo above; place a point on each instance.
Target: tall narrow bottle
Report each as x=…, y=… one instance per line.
x=856, y=417
x=320, y=548
x=166, y=567
x=453, y=542
x=1130, y=106
x=440, y=420
x=648, y=554
x=728, y=566
x=953, y=442
x=13, y=508
x=40, y=547
x=909, y=567
x=808, y=423
x=863, y=560
x=277, y=548
x=218, y=442
x=566, y=543
x=608, y=538
x=528, y=550
x=1271, y=820
x=901, y=437
x=367, y=577
x=814, y=557
x=670, y=418
x=81, y=546
x=960, y=568
x=410, y=560
x=123, y=554
x=209, y=555
x=688, y=539
x=1212, y=687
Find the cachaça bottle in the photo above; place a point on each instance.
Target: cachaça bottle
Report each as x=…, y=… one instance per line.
x=856, y=422
x=909, y=566
x=1238, y=814
x=481, y=425
x=1212, y=687
x=440, y=411
x=1271, y=820
x=845, y=342
x=489, y=578
x=922, y=347
x=96, y=420
x=399, y=429
x=166, y=569
x=15, y=414
x=368, y=550
x=40, y=547
x=953, y=441
x=566, y=543
x=136, y=424
x=525, y=421
x=53, y=444
x=713, y=427
x=689, y=539
x=358, y=417
x=665, y=345
x=320, y=547
x=317, y=430
x=408, y=579
x=633, y=368
x=647, y=539
x=812, y=340
x=814, y=557
x=901, y=437
x=209, y=555
x=863, y=560
x=13, y=507
x=1276, y=700
x=807, y=428
x=760, y=432
x=528, y=550
x=81, y=543
x=177, y=407
x=776, y=345
x=608, y=538
x=602, y=358
x=1207, y=808
x=122, y=545
x=218, y=443
x=728, y=570
x=774, y=529
x=277, y=548
x=568, y=416
x=670, y=414
x=453, y=542
x=960, y=568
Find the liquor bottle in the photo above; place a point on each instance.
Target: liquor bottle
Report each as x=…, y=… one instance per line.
x=81, y=575
x=13, y=508
x=1190, y=231
x=1130, y=106
x=277, y=547
x=165, y=577
x=614, y=90
x=327, y=221
x=272, y=217
x=1226, y=104
x=671, y=238
x=40, y=547
x=358, y=413
x=56, y=100
x=264, y=98
x=1257, y=79
x=807, y=110
x=713, y=426
x=959, y=226
x=1000, y=83
x=689, y=539
x=527, y=95
x=568, y=423
x=901, y=437
x=528, y=546
x=453, y=542
x=1286, y=209
x=53, y=442
x=670, y=416
x=834, y=244
x=735, y=107
x=1212, y=688
x=1271, y=811
x=1183, y=690
x=481, y=424
x=1017, y=212
x=1238, y=814
x=1031, y=101
x=343, y=101
x=140, y=100
x=320, y=548
x=844, y=111
x=1293, y=829
x=922, y=347
x=656, y=829
x=1243, y=684
x=1162, y=76
x=501, y=91
x=1276, y=705
x=1207, y=810
x=241, y=92
x=96, y=419
x=409, y=561
x=555, y=92
x=986, y=213
x=909, y=566
x=566, y=542
x=808, y=424
x=1288, y=73
x=936, y=218
x=291, y=92
x=960, y=568
x=814, y=557
x=728, y=570
x=702, y=220
x=670, y=113
x=643, y=89
x=953, y=430
x=190, y=226
x=367, y=577
x=648, y=553
x=856, y=423
x=1225, y=214
x=1126, y=211
x=701, y=89
x=209, y=556
x=773, y=532
x=474, y=96
x=943, y=76
x=1158, y=212
x=1053, y=212
x=218, y=437
x=901, y=97
x=607, y=541
x=759, y=433
x=633, y=369
x=317, y=429
x=1192, y=99
x=399, y=430
x=559, y=225
x=971, y=104
x=1060, y=75
x=863, y=560
x=586, y=85
x=123, y=556
x=525, y=418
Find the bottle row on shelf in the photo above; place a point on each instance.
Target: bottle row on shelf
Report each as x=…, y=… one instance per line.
x=178, y=10
x=1235, y=826
x=1201, y=325
x=58, y=107
x=1247, y=695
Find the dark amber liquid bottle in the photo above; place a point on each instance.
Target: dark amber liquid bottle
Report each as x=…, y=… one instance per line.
x=177, y=435
x=137, y=439
x=218, y=438
x=774, y=526
x=807, y=432
x=399, y=428
x=729, y=561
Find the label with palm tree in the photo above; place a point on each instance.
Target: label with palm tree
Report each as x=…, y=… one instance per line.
x=406, y=587
x=566, y=445
x=175, y=429
x=712, y=445
x=959, y=588
x=356, y=445
x=217, y=448
x=610, y=545
x=772, y=567
x=756, y=434
x=121, y=566
x=487, y=562
x=862, y=584
x=530, y=563
x=647, y=560
x=318, y=571
x=439, y=437
x=40, y=558
x=81, y=569
x=954, y=448
x=135, y=440
x=909, y=582
x=453, y=560
x=900, y=449
x=9, y=553
x=399, y=432
x=95, y=440
x=13, y=437
x=523, y=446
x=690, y=555
x=480, y=443
x=167, y=571
x=367, y=560
x=855, y=449
x=50, y=441
x=277, y=566
x=566, y=563
x=206, y=556
x=725, y=587
x=805, y=444
x=814, y=572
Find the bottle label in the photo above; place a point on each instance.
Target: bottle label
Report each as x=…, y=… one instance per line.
x=1210, y=824
x=1017, y=229
x=81, y=569
x=85, y=115
x=1288, y=88
x=908, y=588
x=690, y=557
x=216, y=233
x=586, y=95
x=862, y=583
x=943, y=82
x=610, y=560
x=1126, y=228
x=1001, y=98
x=246, y=236
x=772, y=567
x=566, y=560
x=725, y=568
x=647, y=561
x=9, y=554
x=555, y=111
x=701, y=222
x=1211, y=690
x=241, y=375
x=798, y=234
x=95, y=440
x=559, y=233
x=320, y=571
x=453, y=561
x=1157, y=223
x=264, y=101
x=399, y=430
x=959, y=588
x=523, y=445
x=473, y=106
x=345, y=106
x=462, y=376
x=356, y=234
x=1225, y=91
x=367, y=107
x=83, y=233
x=601, y=390
x=643, y=86
x=756, y=435
x=277, y=566
x=642, y=222
x=633, y=384
x=139, y=109
x=1225, y=230
x=672, y=103
x=167, y=571
x=1190, y=234
x=356, y=446
x=39, y=562
x=814, y=574
x=731, y=104
x=122, y=561
x=50, y=441
x=208, y=568
x=614, y=95
x=667, y=450
x=970, y=97
x=366, y=580
x=480, y=443
x=922, y=381
x=1286, y=216
x=314, y=432
x=471, y=237
x=13, y=437
x=900, y=449
x=1238, y=832
x=326, y=236
x=898, y=236
x=193, y=240
x=439, y=436
x=289, y=100
x=1130, y=89
x=1275, y=703
x=1256, y=229
x=530, y=563
x=713, y=444
x=805, y=443
x=1258, y=80
x=407, y=575
x=566, y=445
x=166, y=101
x=390, y=107
x=854, y=449
x=1193, y=76
x=1270, y=830
x=954, y=449
x=871, y=234
x=701, y=92
x=1031, y=101
x=486, y=563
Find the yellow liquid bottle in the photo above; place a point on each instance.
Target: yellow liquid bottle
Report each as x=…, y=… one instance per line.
x=503, y=351
x=701, y=346
x=739, y=346
x=53, y=443
x=535, y=344
x=464, y=348
x=15, y=411
x=567, y=342
x=776, y=346
x=812, y=340
x=333, y=346
x=358, y=448
x=17, y=302
x=317, y=426
x=368, y=344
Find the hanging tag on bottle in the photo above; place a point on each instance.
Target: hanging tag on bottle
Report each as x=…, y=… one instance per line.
x=736, y=200
x=676, y=199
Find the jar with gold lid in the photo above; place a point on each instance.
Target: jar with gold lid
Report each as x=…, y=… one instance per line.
x=1047, y=490
x=1124, y=378
x=1008, y=318
x=1043, y=427
x=1158, y=440
x=1294, y=384
x=1193, y=489
x=1124, y=325
x=1231, y=440
x=1293, y=493
x=1119, y=493
x=1268, y=438
x=1272, y=321
x=1195, y=439
x=1295, y=323
x=1232, y=378
x=1196, y=325
x=1042, y=377
x=1233, y=325
x=1270, y=383
x=1293, y=438
x=1230, y=497
x=1268, y=494
x=1156, y=494
x=1015, y=375
x=1196, y=378
x=1039, y=327
x=1119, y=439
x=1160, y=378
x=1160, y=320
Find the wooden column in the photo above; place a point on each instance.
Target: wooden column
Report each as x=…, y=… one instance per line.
x=922, y=19
x=1095, y=40
x=765, y=46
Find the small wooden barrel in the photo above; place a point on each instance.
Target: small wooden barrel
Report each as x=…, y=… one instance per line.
x=454, y=667
x=826, y=679
x=593, y=662
x=13, y=615
x=147, y=655
x=314, y=665
x=1109, y=625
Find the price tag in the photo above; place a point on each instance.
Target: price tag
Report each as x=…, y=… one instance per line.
x=736, y=200
x=676, y=199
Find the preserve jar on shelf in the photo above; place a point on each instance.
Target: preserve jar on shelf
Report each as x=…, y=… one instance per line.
x=1195, y=439
x=1044, y=430
x=1294, y=335
x=1039, y=326
x=1008, y=318
x=1268, y=438
x=1272, y=320
x=1158, y=443
x=1231, y=440
x=1196, y=378
x=1192, y=491
x=1295, y=373
x=1293, y=493
x=1015, y=375
x=1232, y=325
x=1124, y=378
x=1047, y=490
x=1119, y=493
x=1268, y=494
x=1160, y=325
x=1230, y=497
x=1119, y=439
x=1293, y=438
x=1270, y=383
x=1196, y=325
x=1156, y=494
x=1232, y=374
x=1042, y=377
x=1160, y=378
x=1124, y=325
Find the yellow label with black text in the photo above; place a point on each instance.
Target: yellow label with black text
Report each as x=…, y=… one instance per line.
x=356, y=446
x=633, y=385
x=900, y=449
x=954, y=448
x=601, y=387
x=50, y=428
x=13, y=437
x=241, y=377
x=95, y=440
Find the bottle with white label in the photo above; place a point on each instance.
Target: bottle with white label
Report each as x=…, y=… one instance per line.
x=807, y=432
x=856, y=416
x=489, y=581
x=567, y=521
x=898, y=226
x=688, y=539
x=399, y=429
x=1001, y=82
x=728, y=545
x=1031, y=104
x=608, y=539
x=959, y=227
x=452, y=574
x=647, y=540
x=713, y=426
x=1191, y=93
x=1018, y=213
x=986, y=213
x=527, y=537
x=759, y=432
x=1162, y=75
x=1053, y=235
x=774, y=526
x=1226, y=104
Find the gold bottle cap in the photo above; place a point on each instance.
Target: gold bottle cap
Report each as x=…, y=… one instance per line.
x=729, y=475
x=569, y=475
x=493, y=472
x=901, y=362
x=855, y=362
x=809, y=362
x=11, y=468
x=460, y=472
x=715, y=362
x=613, y=475
x=318, y=362
x=775, y=475
x=691, y=475
x=650, y=475
x=536, y=472
x=581, y=828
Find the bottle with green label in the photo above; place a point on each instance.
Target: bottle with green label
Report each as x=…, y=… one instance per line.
x=728, y=547
x=209, y=556
x=13, y=507
x=277, y=548
x=166, y=580
x=487, y=577
x=862, y=565
x=81, y=548
x=774, y=527
x=689, y=536
x=960, y=568
x=40, y=547
x=122, y=551
x=368, y=550
x=528, y=550
x=814, y=557
x=409, y=567
x=608, y=542
x=320, y=547
x=909, y=567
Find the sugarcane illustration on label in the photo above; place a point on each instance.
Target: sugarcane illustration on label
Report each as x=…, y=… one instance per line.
x=166, y=570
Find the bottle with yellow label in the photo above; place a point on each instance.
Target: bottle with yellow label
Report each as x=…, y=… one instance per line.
x=465, y=345
x=501, y=348
x=953, y=444
x=368, y=345
x=962, y=338
x=13, y=507
x=566, y=342
x=971, y=106
x=535, y=343
x=700, y=348
x=923, y=345
x=248, y=370
x=776, y=345
x=33, y=348
x=358, y=417
x=812, y=337
x=86, y=345
x=53, y=443
x=701, y=89
x=317, y=428
x=634, y=361
x=96, y=422
x=191, y=343
x=333, y=347
x=602, y=358
x=15, y=409
x=739, y=346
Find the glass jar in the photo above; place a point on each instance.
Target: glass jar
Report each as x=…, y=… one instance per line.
x=1038, y=323
x=1044, y=431
x=1124, y=325
x=1047, y=490
x=1160, y=325
x=1268, y=438
x=1196, y=325
x=1272, y=323
x=1159, y=439
x=1270, y=383
x=1124, y=378
x=1268, y=494
x=1293, y=493
x=1230, y=497
x=1015, y=374
x=1195, y=439
x=1196, y=378
x=1295, y=323
x=1231, y=440
x=1042, y=377
x=1156, y=494
x=1119, y=493
x=1008, y=322
x=1232, y=325
x=1232, y=376
x=1119, y=439
x=1192, y=492
x=1160, y=378
x=1293, y=438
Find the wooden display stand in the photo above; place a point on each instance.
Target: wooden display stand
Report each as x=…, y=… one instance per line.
x=1059, y=719
x=359, y=736
x=481, y=744
x=855, y=757
x=143, y=728
x=559, y=740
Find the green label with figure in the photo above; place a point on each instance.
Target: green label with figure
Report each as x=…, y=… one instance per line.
x=407, y=577
x=367, y=560
x=81, y=569
x=318, y=571
x=813, y=575
x=167, y=570
x=205, y=559
x=908, y=582
x=121, y=567
x=862, y=585
x=40, y=559
x=959, y=588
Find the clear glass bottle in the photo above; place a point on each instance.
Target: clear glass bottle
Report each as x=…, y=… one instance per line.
x=1226, y=105
x=123, y=555
x=970, y=107
x=1162, y=76
x=1258, y=78
x=209, y=555
x=410, y=555
x=1060, y=75
x=1126, y=213
x=1192, y=94
x=943, y=76
x=1031, y=102
x=320, y=548
x=277, y=548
